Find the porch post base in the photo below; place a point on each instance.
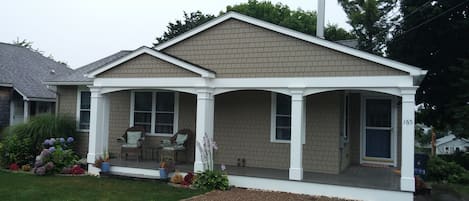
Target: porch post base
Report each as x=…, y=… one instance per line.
x=296, y=174
x=198, y=166
x=91, y=158
x=92, y=170
x=407, y=184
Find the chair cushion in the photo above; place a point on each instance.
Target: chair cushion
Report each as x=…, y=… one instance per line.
x=174, y=148
x=130, y=145
x=181, y=138
x=133, y=137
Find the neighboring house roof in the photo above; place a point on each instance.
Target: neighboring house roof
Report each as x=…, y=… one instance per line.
x=78, y=75
x=412, y=70
x=160, y=55
x=353, y=43
x=25, y=70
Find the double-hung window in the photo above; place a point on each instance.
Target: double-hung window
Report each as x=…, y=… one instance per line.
x=155, y=111
x=83, y=113
x=281, y=118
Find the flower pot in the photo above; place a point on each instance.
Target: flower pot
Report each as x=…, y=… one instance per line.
x=163, y=173
x=105, y=166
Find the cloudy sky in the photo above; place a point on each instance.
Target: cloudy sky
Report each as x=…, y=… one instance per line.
x=82, y=31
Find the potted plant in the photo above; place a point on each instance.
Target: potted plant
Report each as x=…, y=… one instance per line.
x=105, y=164
x=163, y=172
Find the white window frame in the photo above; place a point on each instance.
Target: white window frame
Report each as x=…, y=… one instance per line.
x=153, y=112
x=78, y=109
x=346, y=118
x=371, y=160
x=273, y=121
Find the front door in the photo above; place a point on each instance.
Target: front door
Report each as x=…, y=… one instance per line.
x=378, y=131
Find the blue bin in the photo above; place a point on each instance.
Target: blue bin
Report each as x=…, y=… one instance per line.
x=105, y=166
x=163, y=174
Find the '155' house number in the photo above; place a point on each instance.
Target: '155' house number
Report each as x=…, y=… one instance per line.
x=408, y=122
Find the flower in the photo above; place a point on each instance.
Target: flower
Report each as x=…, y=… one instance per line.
x=46, y=142
x=70, y=139
x=52, y=141
x=49, y=166
x=41, y=171
x=62, y=140
x=223, y=167
x=14, y=167
x=51, y=149
x=214, y=144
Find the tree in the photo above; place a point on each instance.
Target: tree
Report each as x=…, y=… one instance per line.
x=434, y=35
x=299, y=20
x=371, y=20
x=29, y=45
x=190, y=21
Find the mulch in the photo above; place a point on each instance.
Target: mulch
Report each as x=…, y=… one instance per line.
x=239, y=194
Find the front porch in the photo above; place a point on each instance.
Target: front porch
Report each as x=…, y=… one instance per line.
x=379, y=178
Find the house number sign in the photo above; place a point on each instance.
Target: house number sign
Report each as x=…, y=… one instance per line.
x=408, y=122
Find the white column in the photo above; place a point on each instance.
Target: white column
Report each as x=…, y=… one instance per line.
x=407, y=149
x=297, y=133
x=105, y=122
x=25, y=111
x=204, y=123
x=95, y=146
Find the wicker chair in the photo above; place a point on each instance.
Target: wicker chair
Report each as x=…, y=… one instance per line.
x=132, y=142
x=177, y=143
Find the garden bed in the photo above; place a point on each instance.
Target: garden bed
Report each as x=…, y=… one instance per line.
x=239, y=194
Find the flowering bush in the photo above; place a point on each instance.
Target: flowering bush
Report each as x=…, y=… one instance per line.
x=76, y=169
x=188, y=179
x=14, y=167
x=56, y=156
x=210, y=179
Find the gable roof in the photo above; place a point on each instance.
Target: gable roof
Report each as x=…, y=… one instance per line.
x=203, y=72
x=412, y=70
x=78, y=75
x=25, y=70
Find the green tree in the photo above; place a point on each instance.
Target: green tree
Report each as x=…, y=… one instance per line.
x=299, y=20
x=371, y=20
x=190, y=21
x=29, y=45
x=434, y=35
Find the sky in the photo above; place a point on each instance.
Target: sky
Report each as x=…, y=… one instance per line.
x=79, y=32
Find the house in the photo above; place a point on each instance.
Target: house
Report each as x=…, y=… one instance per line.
x=451, y=144
x=22, y=93
x=304, y=114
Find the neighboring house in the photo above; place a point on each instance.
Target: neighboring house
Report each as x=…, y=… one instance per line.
x=22, y=93
x=306, y=115
x=451, y=144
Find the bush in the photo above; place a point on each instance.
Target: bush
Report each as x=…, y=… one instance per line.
x=56, y=152
x=16, y=150
x=459, y=158
x=442, y=171
x=211, y=180
x=23, y=141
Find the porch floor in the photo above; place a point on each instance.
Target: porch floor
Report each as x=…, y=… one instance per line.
x=382, y=178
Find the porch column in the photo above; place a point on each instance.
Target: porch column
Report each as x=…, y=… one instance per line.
x=297, y=132
x=25, y=111
x=204, y=123
x=407, y=149
x=95, y=146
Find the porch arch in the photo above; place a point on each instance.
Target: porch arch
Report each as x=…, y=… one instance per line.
x=185, y=90
x=388, y=91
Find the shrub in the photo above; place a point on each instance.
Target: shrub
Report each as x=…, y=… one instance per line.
x=56, y=155
x=459, y=158
x=442, y=171
x=211, y=180
x=16, y=150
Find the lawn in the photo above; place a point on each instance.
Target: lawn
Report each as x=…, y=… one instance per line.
x=20, y=186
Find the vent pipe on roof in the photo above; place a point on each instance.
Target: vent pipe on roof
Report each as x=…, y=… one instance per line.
x=320, y=18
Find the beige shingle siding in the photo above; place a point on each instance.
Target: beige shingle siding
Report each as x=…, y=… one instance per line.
x=144, y=66
x=242, y=130
x=187, y=118
x=67, y=105
x=321, y=151
x=236, y=49
x=355, y=110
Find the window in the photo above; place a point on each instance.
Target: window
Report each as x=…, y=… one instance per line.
x=281, y=118
x=83, y=113
x=156, y=112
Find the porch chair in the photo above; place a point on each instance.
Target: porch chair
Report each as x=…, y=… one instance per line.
x=132, y=142
x=177, y=143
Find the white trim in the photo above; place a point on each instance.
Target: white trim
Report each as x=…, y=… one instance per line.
x=317, y=189
x=78, y=109
x=25, y=111
x=135, y=172
x=153, y=112
x=146, y=50
x=273, y=120
x=412, y=70
x=348, y=82
x=372, y=160
x=51, y=100
x=6, y=85
x=12, y=110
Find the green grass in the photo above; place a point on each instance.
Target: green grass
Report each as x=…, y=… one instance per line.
x=20, y=186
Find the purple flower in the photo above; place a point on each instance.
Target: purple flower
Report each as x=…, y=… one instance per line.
x=51, y=149
x=223, y=167
x=62, y=140
x=41, y=171
x=49, y=166
x=70, y=139
x=52, y=141
x=46, y=142
x=45, y=152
